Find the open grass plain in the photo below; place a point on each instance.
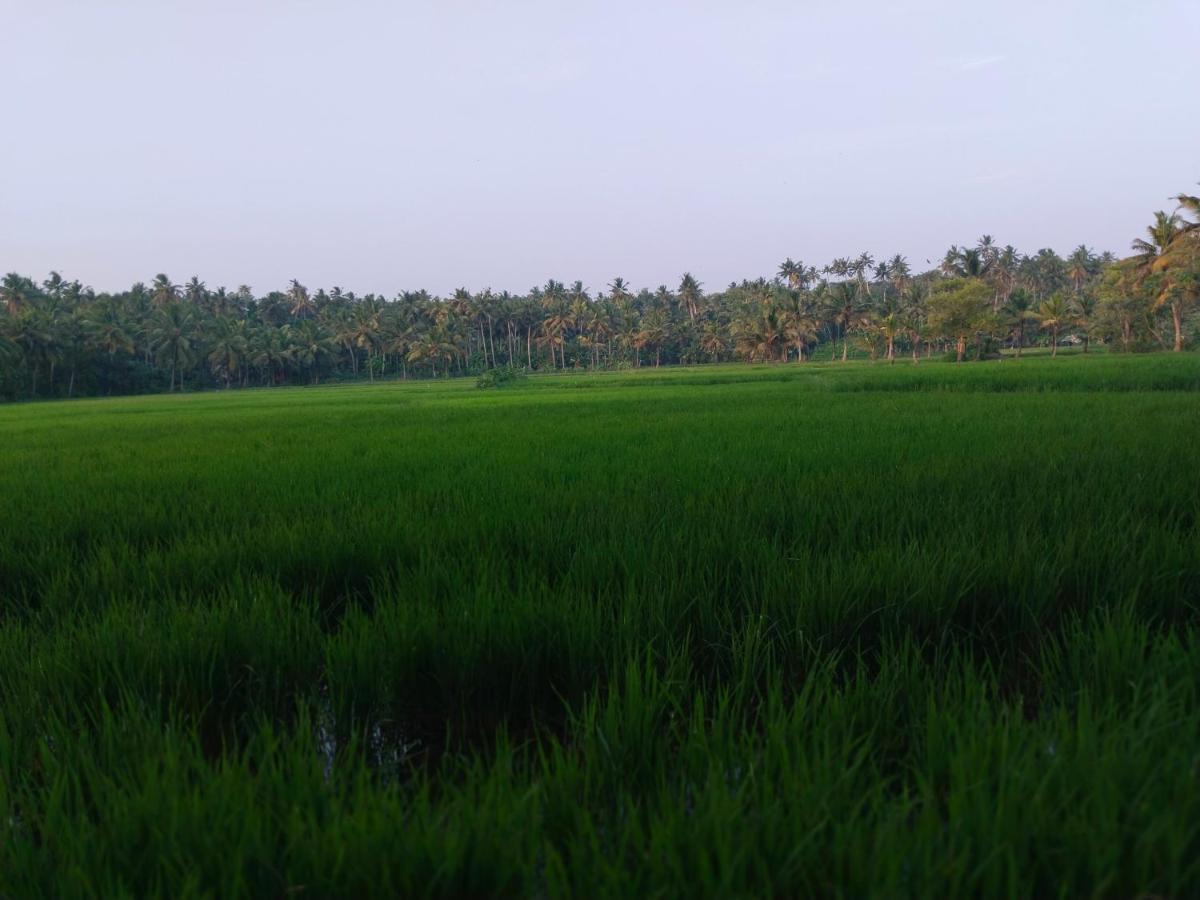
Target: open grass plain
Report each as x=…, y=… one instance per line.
x=726, y=631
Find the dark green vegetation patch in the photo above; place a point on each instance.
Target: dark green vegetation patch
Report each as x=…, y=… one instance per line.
x=730, y=631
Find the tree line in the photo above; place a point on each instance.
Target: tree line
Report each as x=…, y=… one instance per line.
x=59, y=338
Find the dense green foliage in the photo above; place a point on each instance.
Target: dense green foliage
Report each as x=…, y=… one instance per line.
x=723, y=631
x=62, y=339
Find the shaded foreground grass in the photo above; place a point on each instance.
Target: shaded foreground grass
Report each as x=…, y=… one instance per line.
x=725, y=631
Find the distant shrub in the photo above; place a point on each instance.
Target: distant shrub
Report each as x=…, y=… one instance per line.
x=494, y=378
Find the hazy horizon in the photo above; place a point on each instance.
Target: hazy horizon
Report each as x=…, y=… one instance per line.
x=382, y=146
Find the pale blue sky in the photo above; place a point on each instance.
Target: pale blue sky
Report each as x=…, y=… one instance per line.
x=388, y=145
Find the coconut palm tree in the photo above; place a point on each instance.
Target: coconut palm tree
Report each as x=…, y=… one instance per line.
x=949, y=264
x=196, y=292
x=1083, y=308
x=846, y=311
x=554, y=334
x=311, y=346
x=972, y=263
x=162, y=291
x=798, y=322
x=653, y=332
x=1157, y=252
x=712, y=340
x=759, y=336
x=1053, y=314
x=300, y=304
x=17, y=293
x=690, y=295
x=1018, y=310
x=107, y=331
x=227, y=348
x=899, y=275
x=912, y=320
x=1004, y=273
x=1080, y=265
x=270, y=352
x=35, y=333
x=1190, y=205
x=172, y=337
x=987, y=249
x=891, y=325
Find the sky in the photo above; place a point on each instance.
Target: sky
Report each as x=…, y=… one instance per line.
x=382, y=146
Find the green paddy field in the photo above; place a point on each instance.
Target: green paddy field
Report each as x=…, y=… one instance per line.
x=820, y=629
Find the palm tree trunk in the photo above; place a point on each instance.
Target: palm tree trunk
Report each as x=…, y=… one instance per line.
x=1177, y=321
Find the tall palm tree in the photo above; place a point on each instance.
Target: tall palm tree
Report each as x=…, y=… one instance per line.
x=34, y=331
x=1083, y=308
x=163, y=292
x=1191, y=205
x=1004, y=273
x=759, y=336
x=1156, y=253
x=912, y=320
x=899, y=275
x=972, y=263
x=1080, y=265
x=653, y=333
x=172, y=335
x=690, y=295
x=890, y=327
x=196, y=292
x=798, y=322
x=987, y=249
x=557, y=322
x=17, y=293
x=846, y=312
x=270, y=352
x=712, y=340
x=301, y=305
x=227, y=348
x=1018, y=310
x=859, y=268
x=949, y=264
x=1053, y=314
x=362, y=332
